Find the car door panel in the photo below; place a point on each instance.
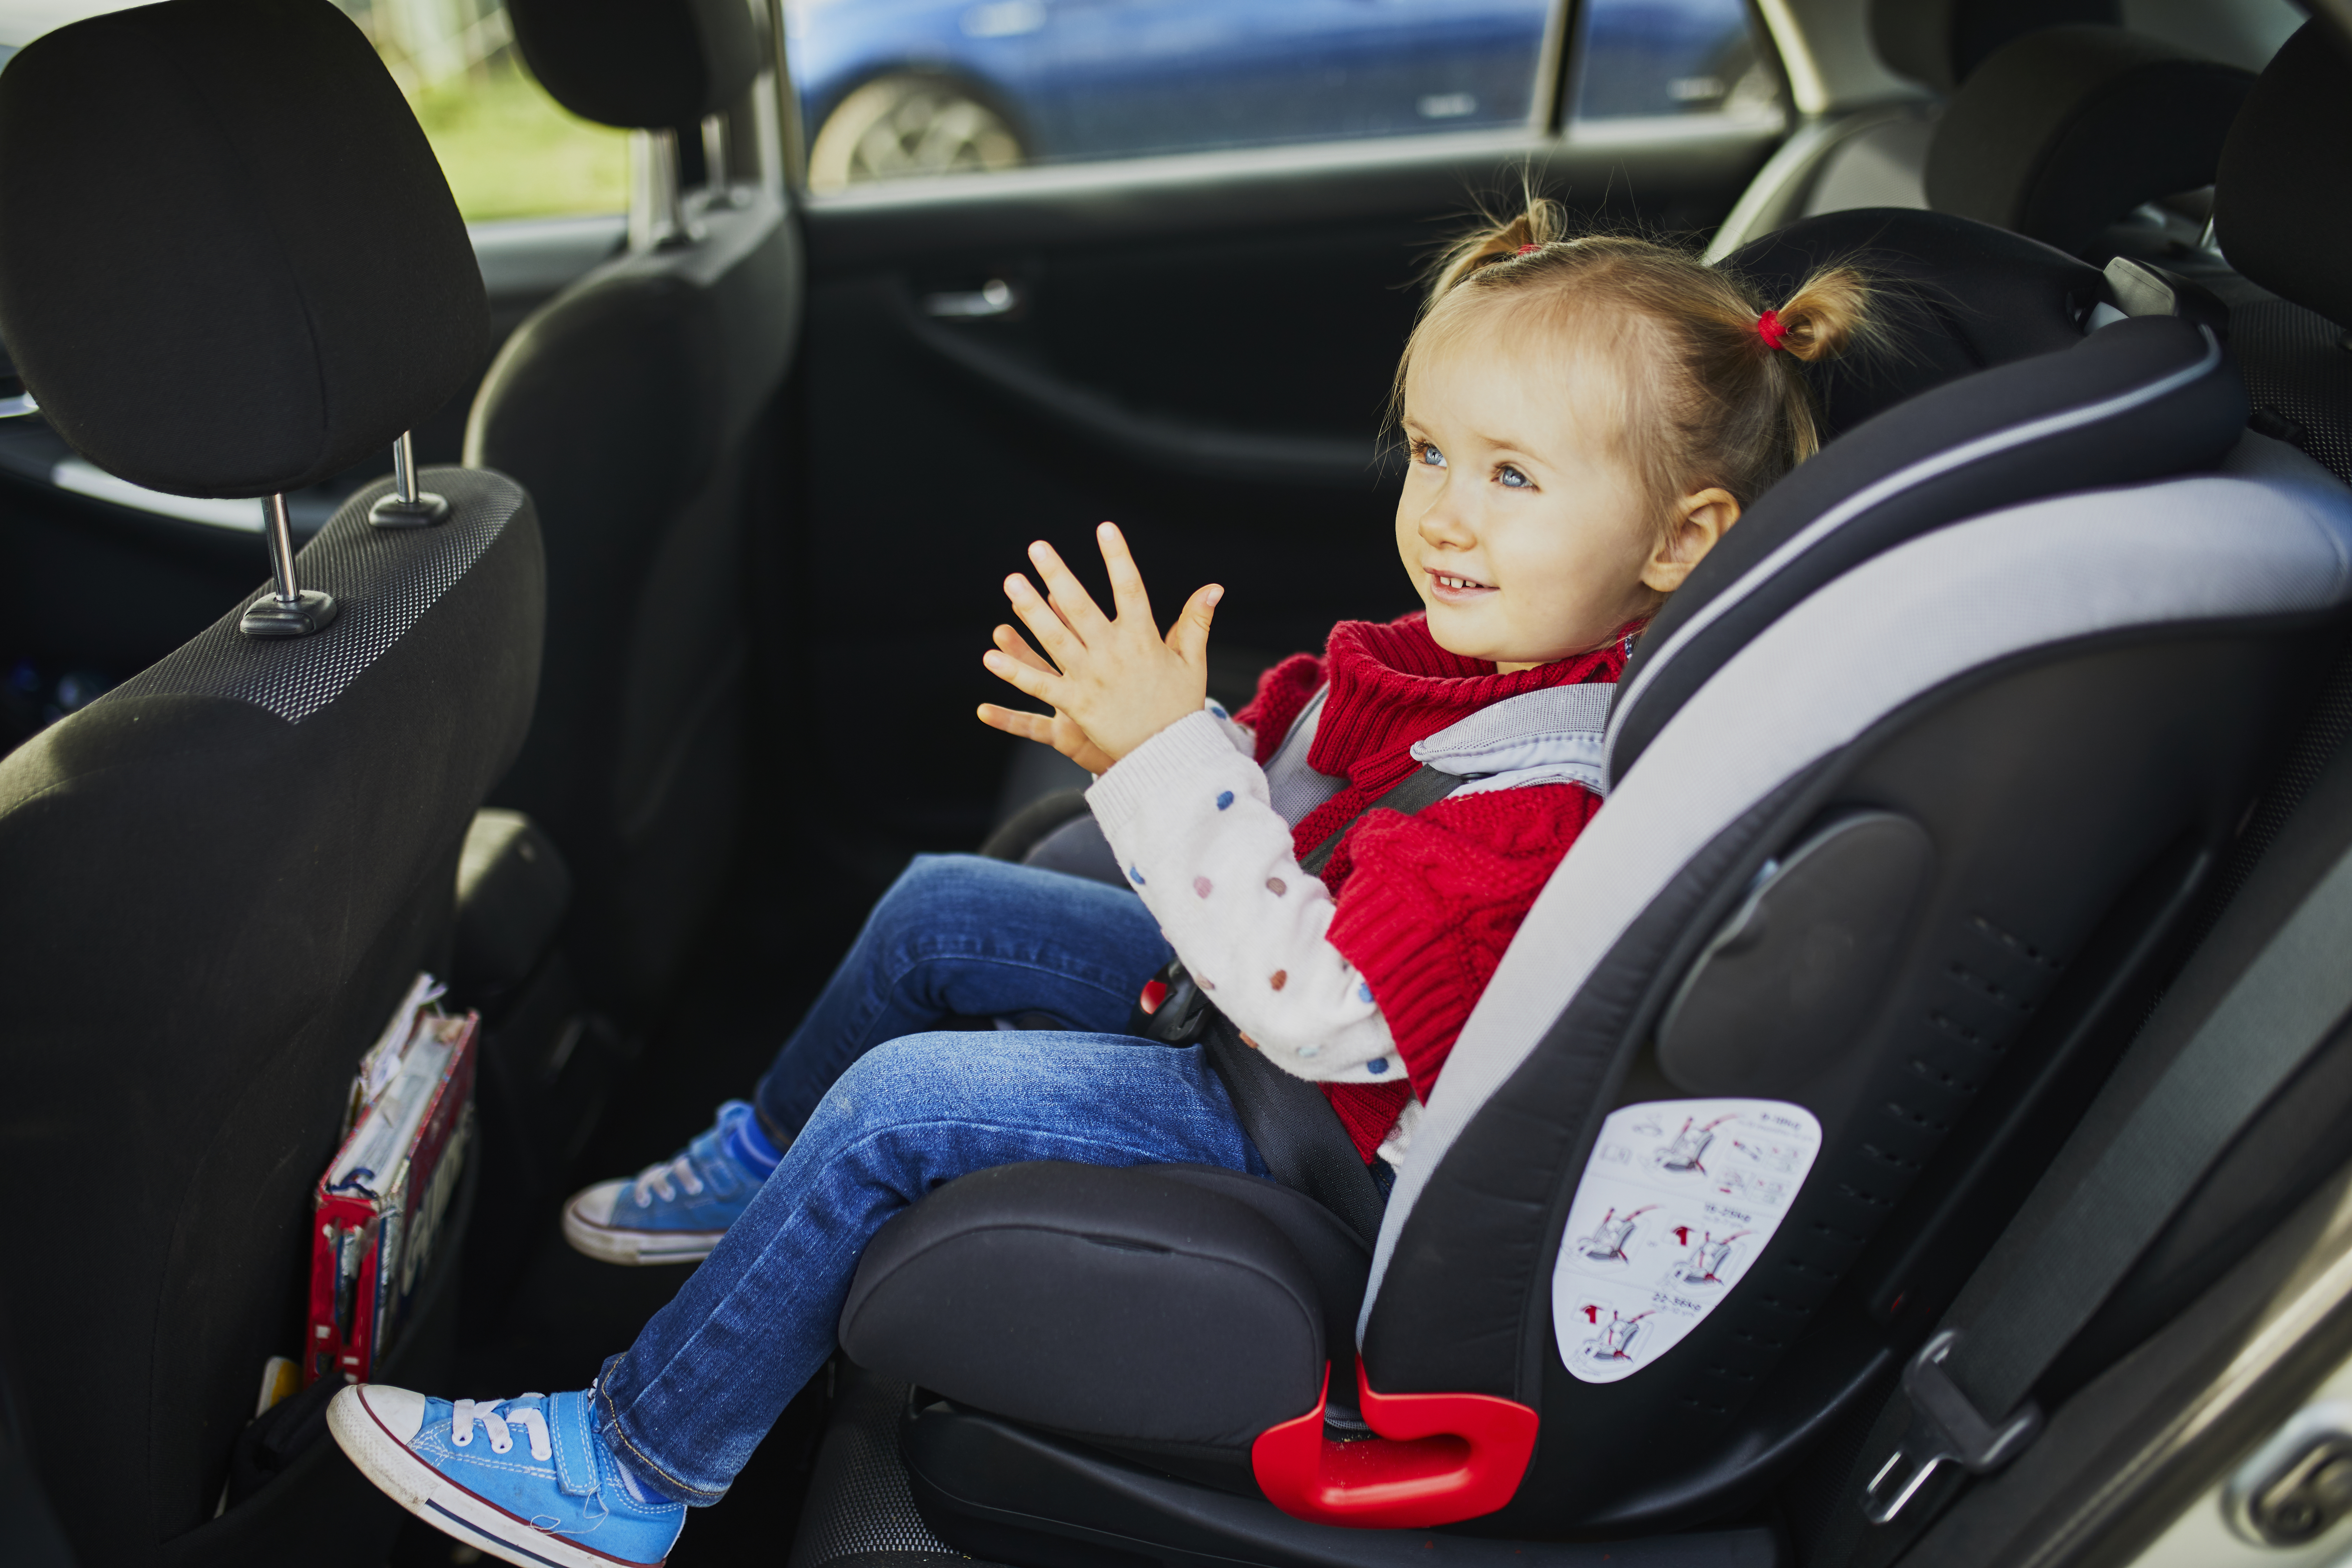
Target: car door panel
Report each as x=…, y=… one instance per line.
x=1199, y=348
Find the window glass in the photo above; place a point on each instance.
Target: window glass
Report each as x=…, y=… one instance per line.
x=507, y=149
x=1656, y=57
x=894, y=88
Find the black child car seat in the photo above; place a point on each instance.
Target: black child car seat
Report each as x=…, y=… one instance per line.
x=228, y=266
x=1909, y=789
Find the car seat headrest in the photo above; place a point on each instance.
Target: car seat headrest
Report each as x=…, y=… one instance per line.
x=1939, y=42
x=1959, y=297
x=640, y=64
x=2282, y=202
x=229, y=265
x=2066, y=130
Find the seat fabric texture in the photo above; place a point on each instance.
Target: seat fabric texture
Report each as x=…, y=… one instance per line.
x=223, y=876
x=230, y=266
x=2066, y=130
x=631, y=405
x=1940, y=43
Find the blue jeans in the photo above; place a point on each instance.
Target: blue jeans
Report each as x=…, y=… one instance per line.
x=885, y=1113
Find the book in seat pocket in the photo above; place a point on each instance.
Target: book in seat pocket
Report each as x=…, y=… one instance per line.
x=379, y=1206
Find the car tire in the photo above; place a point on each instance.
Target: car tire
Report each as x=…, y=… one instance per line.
x=896, y=126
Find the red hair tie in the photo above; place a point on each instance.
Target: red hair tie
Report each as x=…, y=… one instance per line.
x=1525, y=248
x=1769, y=328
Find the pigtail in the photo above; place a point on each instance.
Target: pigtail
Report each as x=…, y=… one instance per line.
x=1829, y=313
x=1539, y=221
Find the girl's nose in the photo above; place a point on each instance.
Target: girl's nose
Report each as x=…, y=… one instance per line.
x=1443, y=525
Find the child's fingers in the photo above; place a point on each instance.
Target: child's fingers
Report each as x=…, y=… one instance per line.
x=1189, y=636
x=1012, y=721
x=1038, y=683
x=1126, y=593
x=1070, y=595
x=1013, y=643
x=1057, y=637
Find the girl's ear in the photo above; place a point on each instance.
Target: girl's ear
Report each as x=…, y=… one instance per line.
x=1700, y=519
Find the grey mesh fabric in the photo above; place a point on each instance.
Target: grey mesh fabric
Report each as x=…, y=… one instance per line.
x=860, y=1506
x=382, y=580
x=2270, y=536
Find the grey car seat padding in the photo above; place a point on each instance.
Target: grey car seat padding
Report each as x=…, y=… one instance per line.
x=2141, y=398
x=2272, y=538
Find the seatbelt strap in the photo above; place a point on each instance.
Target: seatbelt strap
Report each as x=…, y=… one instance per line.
x=1302, y=1140
x=1424, y=787
x=2052, y=1276
x=1305, y=1144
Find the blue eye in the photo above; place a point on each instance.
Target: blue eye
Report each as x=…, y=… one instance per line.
x=1432, y=457
x=1512, y=477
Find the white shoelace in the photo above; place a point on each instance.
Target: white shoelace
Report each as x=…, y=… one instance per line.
x=655, y=1178
x=486, y=1411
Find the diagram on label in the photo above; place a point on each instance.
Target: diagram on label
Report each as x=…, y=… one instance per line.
x=1679, y=1198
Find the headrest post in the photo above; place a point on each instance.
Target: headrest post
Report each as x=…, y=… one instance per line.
x=289, y=610
x=714, y=156
x=406, y=506
x=657, y=219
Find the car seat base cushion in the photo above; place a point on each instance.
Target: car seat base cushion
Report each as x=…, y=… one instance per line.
x=1437, y=1458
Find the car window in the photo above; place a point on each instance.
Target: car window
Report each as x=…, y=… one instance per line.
x=507, y=148
x=895, y=88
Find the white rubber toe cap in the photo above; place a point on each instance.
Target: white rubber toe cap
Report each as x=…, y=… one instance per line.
x=396, y=1410
x=594, y=1205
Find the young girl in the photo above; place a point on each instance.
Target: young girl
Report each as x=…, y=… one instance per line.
x=1584, y=418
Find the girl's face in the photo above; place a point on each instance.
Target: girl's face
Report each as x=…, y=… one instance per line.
x=1526, y=537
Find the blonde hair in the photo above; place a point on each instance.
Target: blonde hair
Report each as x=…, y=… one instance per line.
x=1725, y=404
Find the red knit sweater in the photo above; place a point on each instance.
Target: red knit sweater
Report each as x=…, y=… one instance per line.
x=1426, y=903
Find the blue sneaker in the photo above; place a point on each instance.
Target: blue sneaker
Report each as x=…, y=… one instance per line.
x=526, y=1481
x=675, y=1212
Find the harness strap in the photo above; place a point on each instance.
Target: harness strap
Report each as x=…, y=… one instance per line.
x=1302, y=1140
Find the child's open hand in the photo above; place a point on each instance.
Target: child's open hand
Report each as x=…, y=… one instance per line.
x=1114, y=683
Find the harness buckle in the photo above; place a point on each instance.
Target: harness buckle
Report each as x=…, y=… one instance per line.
x=1945, y=1429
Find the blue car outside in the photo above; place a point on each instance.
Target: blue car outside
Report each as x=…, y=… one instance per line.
x=1091, y=79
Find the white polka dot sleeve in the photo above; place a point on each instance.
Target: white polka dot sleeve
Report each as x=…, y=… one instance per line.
x=1188, y=817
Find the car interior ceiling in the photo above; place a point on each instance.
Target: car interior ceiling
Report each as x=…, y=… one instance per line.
x=775, y=481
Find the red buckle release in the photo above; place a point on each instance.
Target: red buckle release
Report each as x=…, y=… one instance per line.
x=1155, y=992
x=1439, y=1458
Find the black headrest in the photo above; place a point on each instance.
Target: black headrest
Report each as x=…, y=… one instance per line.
x=1939, y=42
x=2142, y=399
x=640, y=64
x=2066, y=130
x=2282, y=202
x=228, y=262
x=1958, y=297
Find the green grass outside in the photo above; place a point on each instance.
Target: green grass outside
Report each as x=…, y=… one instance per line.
x=508, y=149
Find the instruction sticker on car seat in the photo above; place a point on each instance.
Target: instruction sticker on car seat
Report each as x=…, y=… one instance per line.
x=1678, y=1199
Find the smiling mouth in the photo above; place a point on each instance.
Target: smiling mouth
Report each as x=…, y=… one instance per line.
x=1454, y=589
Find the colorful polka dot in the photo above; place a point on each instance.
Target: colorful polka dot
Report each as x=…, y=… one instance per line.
x=1276, y=886
x=1377, y=1066
x=1281, y=978
x=1200, y=886
x=1206, y=983
x=1364, y=990
x=1310, y=1050
x=1136, y=875
x=1225, y=798
x=1218, y=709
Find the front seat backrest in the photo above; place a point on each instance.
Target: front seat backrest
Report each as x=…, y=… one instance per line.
x=630, y=408
x=2066, y=130
x=2283, y=213
x=228, y=265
